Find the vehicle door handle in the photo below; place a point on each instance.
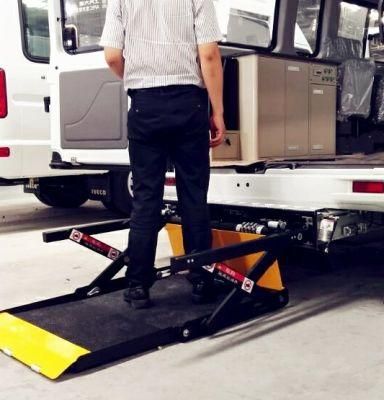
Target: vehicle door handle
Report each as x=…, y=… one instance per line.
x=47, y=103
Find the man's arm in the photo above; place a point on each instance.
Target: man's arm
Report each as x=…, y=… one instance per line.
x=212, y=71
x=113, y=37
x=115, y=60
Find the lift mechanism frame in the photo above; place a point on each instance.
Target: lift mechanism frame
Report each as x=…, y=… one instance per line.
x=238, y=305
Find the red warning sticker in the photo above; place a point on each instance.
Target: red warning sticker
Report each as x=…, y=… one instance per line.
x=235, y=277
x=94, y=244
x=229, y=272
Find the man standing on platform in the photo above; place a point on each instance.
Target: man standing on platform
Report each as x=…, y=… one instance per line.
x=167, y=54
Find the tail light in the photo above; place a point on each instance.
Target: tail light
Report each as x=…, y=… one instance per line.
x=3, y=95
x=170, y=181
x=5, y=152
x=368, y=187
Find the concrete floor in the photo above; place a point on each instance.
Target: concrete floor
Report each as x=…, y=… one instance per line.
x=327, y=344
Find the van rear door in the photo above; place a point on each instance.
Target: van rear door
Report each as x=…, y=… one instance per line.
x=88, y=105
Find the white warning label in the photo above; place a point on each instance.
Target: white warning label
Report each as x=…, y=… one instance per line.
x=113, y=254
x=248, y=285
x=209, y=268
x=76, y=236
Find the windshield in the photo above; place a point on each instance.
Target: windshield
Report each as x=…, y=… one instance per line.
x=307, y=24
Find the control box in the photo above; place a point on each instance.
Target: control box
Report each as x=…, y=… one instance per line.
x=323, y=74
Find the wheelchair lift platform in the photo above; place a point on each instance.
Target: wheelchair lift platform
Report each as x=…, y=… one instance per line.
x=94, y=326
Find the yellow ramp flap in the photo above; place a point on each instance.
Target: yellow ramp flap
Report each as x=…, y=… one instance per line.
x=43, y=351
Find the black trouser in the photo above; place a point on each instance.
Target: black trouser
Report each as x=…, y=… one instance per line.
x=167, y=123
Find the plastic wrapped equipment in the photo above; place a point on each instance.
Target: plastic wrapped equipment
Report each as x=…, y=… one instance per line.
x=356, y=84
x=339, y=49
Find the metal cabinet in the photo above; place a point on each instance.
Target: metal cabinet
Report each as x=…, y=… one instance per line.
x=287, y=108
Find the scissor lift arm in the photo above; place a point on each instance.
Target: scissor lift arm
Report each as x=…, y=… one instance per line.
x=93, y=326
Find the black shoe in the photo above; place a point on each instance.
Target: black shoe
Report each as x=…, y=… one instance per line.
x=138, y=297
x=203, y=292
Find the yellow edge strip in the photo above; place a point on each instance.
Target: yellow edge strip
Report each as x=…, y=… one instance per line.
x=43, y=351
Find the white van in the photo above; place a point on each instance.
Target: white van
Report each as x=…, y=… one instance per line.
x=53, y=102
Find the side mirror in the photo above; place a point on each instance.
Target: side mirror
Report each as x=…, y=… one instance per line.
x=70, y=38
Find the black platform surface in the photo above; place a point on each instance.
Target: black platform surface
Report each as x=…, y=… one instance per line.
x=107, y=320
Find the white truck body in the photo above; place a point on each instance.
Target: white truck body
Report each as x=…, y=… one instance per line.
x=86, y=126
x=297, y=190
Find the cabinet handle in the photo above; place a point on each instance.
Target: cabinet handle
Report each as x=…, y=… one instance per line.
x=293, y=68
x=294, y=147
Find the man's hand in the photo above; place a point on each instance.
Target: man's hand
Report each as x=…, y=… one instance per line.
x=217, y=130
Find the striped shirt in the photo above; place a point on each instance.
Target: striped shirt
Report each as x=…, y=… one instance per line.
x=159, y=39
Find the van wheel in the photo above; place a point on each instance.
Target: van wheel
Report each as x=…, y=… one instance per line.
x=67, y=192
x=121, y=192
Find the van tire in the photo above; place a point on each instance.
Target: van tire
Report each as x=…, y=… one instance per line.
x=66, y=192
x=120, y=193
